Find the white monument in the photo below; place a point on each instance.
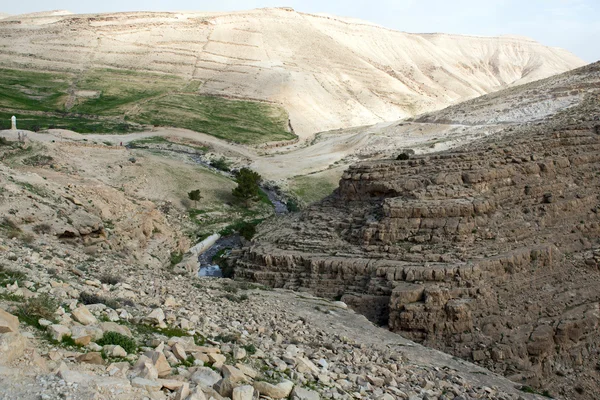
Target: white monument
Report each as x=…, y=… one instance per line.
x=13, y=123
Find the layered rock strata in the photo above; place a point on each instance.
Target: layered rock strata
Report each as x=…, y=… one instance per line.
x=489, y=252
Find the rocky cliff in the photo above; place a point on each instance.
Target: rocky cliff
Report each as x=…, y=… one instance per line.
x=490, y=251
x=327, y=72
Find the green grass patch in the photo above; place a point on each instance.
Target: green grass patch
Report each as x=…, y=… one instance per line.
x=310, y=188
x=116, y=101
x=36, y=308
x=239, y=121
x=115, y=338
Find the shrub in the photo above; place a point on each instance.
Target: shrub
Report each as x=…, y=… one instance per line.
x=90, y=298
x=221, y=164
x=37, y=308
x=41, y=229
x=115, y=338
x=292, y=205
x=248, y=230
x=247, y=188
x=10, y=276
x=109, y=279
x=403, y=156
x=176, y=258
x=10, y=227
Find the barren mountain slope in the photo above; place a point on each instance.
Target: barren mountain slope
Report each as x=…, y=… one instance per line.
x=327, y=72
x=489, y=251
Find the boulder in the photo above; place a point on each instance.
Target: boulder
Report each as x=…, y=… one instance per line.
x=58, y=332
x=114, y=327
x=160, y=362
x=8, y=322
x=92, y=357
x=12, y=346
x=300, y=393
x=224, y=387
x=156, y=317
x=245, y=392
x=114, y=351
x=179, y=352
x=279, y=391
x=234, y=374
x=205, y=377
x=149, y=385
x=82, y=315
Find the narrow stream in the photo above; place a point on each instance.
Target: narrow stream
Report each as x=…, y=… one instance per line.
x=205, y=260
x=207, y=267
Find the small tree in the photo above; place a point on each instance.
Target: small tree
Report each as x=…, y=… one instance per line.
x=195, y=196
x=247, y=188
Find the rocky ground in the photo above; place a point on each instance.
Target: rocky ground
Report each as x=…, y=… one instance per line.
x=189, y=338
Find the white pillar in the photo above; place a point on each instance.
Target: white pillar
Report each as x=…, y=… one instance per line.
x=13, y=123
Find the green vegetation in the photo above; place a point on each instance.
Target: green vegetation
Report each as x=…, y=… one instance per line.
x=37, y=308
x=115, y=338
x=245, y=228
x=90, y=298
x=195, y=196
x=10, y=276
x=238, y=121
x=312, y=188
x=247, y=188
x=115, y=101
x=176, y=258
x=221, y=164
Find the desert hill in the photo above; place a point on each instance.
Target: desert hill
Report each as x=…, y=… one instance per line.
x=326, y=72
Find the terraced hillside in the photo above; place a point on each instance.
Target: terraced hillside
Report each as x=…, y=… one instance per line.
x=489, y=251
x=325, y=72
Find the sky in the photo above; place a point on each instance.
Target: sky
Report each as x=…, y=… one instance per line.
x=570, y=24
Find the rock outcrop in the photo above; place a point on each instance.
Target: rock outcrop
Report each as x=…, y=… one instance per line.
x=489, y=252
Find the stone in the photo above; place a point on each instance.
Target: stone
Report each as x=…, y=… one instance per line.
x=198, y=394
x=179, y=352
x=182, y=392
x=224, y=387
x=12, y=346
x=217, y=359
x=234, y=374
x=58, y=332
x=205, y=377
x=245, y=392
x=299, y=393
x=82, y=340
x=8, y=322
x=149, y=385
x=160, y=362
x=239, y=353
x=114, y=327
x=279, y=391
x=114, y=351
x=145, y=370
x=91, y=358
x=247, y=370
x=156, y=317
x=305, y=365
x=172, y=384
x=82, y=315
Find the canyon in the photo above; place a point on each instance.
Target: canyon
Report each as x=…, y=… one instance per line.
x=488, y=251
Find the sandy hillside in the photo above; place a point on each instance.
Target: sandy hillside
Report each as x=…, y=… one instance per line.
x=328, y=72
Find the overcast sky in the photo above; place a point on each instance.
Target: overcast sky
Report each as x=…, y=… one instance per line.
x=571, y=24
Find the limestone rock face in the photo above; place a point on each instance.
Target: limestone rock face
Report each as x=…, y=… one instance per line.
x=490, y=249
